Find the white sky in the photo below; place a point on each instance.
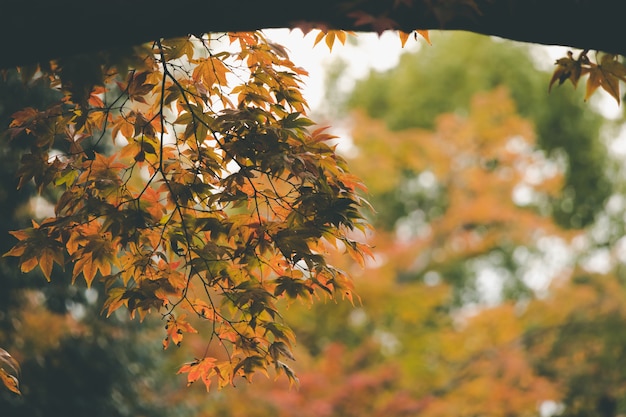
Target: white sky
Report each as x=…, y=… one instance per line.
x=372, y=52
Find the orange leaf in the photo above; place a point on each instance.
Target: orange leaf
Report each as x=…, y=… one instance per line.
x=331, y=35
x=28, y=265
x=9, y=371
x=203, y=369
x=9, y=381
x=85, y=266
x=403, y=37
x=175, y=329
x=425, y=35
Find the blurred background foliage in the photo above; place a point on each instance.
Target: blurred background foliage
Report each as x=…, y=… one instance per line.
x=497, y=288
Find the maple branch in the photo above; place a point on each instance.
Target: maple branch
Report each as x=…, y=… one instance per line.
x=39, y=30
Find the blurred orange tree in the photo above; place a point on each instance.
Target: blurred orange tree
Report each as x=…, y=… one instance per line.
x=404, y=351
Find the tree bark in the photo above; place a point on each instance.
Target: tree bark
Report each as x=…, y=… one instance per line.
x=39, y=30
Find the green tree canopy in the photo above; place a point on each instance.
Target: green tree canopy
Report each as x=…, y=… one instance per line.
x=412, y=95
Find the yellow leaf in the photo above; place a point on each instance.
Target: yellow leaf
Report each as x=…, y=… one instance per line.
x=611, y=85
x=319, y=37
x=330, y=39
x=15, y=250
x=331, y=35
x=342, y=36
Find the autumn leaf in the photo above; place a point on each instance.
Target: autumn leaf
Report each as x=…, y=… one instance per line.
x=9, y=381
x=9, y=372
x=175, y=328
x=330, y=37
x=115, y=300
x=47, y=258
x=210, y=71
x=568, y=68
x=607, y=75
x=291, y=375
x=204, y=369
x=424, y=34
x=138, y=87
x=178, y=47
x=403, y=37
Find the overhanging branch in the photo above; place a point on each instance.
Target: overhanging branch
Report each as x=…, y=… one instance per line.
x=40, y=30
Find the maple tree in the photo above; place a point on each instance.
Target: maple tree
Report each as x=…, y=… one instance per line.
x=216, y=200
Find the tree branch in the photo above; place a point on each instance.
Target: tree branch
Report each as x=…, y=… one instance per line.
x=39, y=30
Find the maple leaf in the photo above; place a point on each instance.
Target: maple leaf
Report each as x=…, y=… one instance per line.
x=424, y=34
x=330, y=37
x=203, y=369
x=293, y=379
x=567, y=69
x=404, y=36
x=606, y=75
x=210, y=71
x=36, y=248
x=177, y=48
x=175, y=328
x=115, y=300
x=138, y=87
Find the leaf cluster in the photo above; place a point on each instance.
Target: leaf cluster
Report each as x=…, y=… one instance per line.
x=215, y=200
x=605, y=74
